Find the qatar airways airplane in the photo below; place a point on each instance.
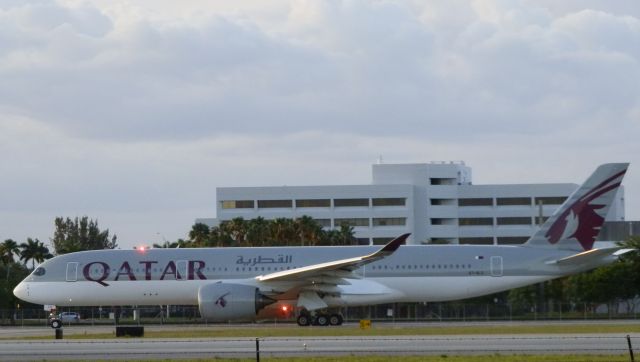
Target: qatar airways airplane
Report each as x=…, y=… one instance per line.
x=254, y=283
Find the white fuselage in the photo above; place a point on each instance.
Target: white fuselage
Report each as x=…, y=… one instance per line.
x=174, y=276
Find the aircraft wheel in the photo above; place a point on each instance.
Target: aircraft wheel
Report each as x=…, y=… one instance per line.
x=322, y=320
x=56, y=323
x=335, y=320
x=303, y=320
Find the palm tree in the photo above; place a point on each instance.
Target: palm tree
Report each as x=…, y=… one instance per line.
x=308, y=230
x=258, y=232
x=35, y=251
x=167, y=244
x=28, y=251
x=237, y=229
x=42, y=254
x=219, y=236
x=346, y=235
x=199, y=235
x=8, y=249
x=282, y=232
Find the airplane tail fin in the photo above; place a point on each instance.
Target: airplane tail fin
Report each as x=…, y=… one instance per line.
x=576, y=224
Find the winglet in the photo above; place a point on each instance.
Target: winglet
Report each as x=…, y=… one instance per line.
x=392, y=246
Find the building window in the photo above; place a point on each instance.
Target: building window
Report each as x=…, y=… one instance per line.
x=512, y=239
x=362, y=241
x=475, y=221
x=443, y=221
x=514, y=201
x=389, y=201
x=313, y=203
x=237, y=204
x=475, y=202
x=381, y=241
x=360, y=221
x=325, y=223
x=477, y=241
x=440, y=241
x=551, y=200
x=514, y=221
x=270, y=204
x=389, y=221
x=439, y=202
x=350, y=202
x=443, y=181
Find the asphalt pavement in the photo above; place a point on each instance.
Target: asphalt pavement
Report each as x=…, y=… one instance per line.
x=24, y=349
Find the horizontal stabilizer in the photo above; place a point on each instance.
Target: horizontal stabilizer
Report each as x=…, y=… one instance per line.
x=588, y=256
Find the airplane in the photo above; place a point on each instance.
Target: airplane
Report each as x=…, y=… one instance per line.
x=232, y=284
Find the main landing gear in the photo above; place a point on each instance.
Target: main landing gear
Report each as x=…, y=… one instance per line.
x=319, y=319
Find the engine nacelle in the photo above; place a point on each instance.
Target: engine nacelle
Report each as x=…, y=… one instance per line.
x=222, y=302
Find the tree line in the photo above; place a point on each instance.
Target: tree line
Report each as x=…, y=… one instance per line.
x=303, y=231
x=613, y=284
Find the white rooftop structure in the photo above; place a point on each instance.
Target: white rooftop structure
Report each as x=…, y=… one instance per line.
x=436, y=202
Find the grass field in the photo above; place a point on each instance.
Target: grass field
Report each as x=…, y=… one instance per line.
x=376, y=330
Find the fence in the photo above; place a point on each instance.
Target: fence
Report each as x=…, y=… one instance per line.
x=384, y=313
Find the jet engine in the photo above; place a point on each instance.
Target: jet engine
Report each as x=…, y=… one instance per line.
x=221, y=302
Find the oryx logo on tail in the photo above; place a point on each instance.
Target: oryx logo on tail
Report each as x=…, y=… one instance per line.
x=581, y=220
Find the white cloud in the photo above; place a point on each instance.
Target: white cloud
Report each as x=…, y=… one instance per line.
x=116, y=108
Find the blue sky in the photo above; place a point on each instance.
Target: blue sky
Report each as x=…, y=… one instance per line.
x=134, y=112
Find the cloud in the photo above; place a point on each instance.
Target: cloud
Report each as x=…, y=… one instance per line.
x=112, y=108
x=348, y=65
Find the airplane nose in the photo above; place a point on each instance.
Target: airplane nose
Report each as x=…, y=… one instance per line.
x=20, y=291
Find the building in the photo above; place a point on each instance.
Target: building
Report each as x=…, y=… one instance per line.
x=619, y=230
x=436, y=202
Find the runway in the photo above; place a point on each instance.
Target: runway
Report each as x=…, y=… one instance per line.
x=313, y=346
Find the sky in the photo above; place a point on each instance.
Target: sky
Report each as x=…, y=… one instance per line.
x=133, y=112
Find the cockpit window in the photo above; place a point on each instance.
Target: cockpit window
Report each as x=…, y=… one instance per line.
x=39, y=271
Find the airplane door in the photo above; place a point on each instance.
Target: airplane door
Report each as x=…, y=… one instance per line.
x=181, y=274
x=496, y=266
x=72, y=271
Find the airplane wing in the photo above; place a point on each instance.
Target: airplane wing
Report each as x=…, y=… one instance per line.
x=340, y=268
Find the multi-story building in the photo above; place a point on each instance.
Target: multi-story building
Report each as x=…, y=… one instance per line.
x=436, y=202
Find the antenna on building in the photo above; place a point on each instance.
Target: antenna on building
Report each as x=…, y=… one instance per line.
x=380, y=160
